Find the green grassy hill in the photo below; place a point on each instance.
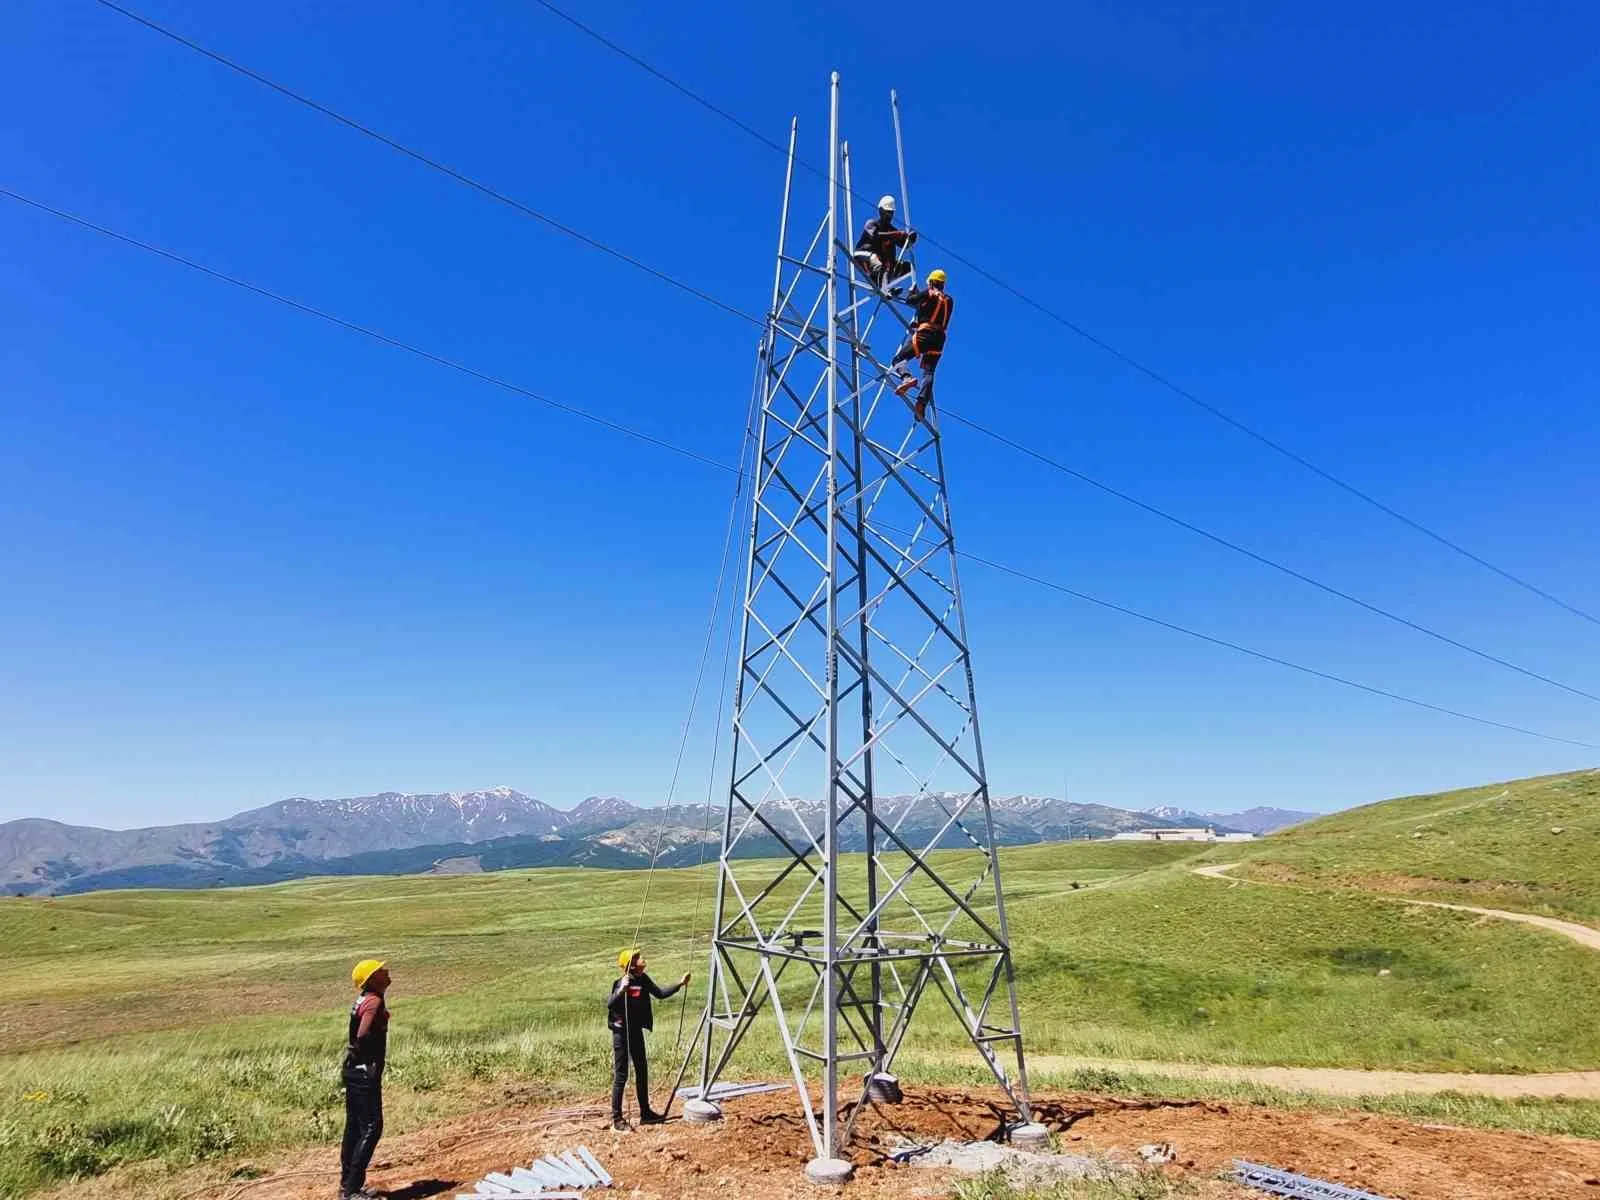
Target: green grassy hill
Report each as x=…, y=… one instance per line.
x=1531, y=845
x=178, y=1027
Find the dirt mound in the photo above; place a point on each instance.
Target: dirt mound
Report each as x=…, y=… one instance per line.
x=759, y=1149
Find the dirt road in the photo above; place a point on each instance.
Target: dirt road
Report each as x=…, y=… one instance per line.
x=1340, y=1081
x=1575, y=1085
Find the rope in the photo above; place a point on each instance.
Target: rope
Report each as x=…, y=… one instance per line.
x=705, y=658
x=705, y=832
x=747, y=452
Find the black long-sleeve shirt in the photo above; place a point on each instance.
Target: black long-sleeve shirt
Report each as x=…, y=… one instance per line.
x=368, y=1044
x=933, y=308
x=628, y=1006
x=880, y=236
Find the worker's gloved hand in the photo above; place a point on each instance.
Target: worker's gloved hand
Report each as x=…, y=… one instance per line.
x=911, y=238
x=685, y=980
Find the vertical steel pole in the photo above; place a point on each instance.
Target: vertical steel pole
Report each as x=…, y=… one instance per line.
x=830, y=930
x=900, y=157
x=858, y=537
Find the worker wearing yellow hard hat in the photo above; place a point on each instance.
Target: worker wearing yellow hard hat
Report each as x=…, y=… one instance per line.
x=628, y=1015
x=364, y=1056
x=928, y=328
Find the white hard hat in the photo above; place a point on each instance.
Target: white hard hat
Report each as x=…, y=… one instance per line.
x=887, y=204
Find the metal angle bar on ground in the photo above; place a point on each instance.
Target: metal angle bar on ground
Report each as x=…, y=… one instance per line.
x=729, y=1091
x=593, y=1163
x=1300, y=1187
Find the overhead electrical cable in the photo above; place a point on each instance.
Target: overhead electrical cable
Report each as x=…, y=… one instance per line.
x=1262, y=655
x=706, y=297
x=432, y=163
x=685, y=452
x=1057, y=465
x=365, y=330
x=1093, y=339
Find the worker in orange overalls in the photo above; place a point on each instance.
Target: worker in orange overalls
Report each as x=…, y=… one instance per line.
x=929, y=325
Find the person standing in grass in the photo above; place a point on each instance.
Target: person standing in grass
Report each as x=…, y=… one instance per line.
x=628, y=1015
x=363, y=1077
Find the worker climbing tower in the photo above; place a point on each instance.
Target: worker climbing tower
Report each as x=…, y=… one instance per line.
x=858, y=871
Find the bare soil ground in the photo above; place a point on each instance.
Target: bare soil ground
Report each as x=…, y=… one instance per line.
x=760, y=1147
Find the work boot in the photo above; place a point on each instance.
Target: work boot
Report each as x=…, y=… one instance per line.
x=907, y=382
x=620, y=1125
x=651, y=1118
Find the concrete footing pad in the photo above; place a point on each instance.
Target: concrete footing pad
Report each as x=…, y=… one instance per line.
x=884, y=1088
x=701, y=1112
x=1032, y=1136
x=829, y=1172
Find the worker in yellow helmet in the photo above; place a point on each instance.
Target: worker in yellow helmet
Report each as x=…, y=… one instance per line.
x=628, y=1015
x=363, y=1076
x=929, y=324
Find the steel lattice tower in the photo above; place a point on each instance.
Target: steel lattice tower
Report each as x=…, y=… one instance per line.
x=857, y=760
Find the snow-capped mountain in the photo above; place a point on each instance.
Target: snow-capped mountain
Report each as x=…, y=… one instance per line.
x=398, y=832
x=603, y=812
x=43, y=855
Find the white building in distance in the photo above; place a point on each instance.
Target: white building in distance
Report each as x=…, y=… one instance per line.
x=1194, y=833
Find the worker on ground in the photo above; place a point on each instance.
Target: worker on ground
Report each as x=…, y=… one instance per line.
x=363, y=1077
x=628, y=1015
x=877, y=250
x=929, y=325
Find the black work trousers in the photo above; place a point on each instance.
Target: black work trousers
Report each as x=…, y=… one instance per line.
x=880, y=269
x=363, y=1125
x=626, y=1044
x=926, y=345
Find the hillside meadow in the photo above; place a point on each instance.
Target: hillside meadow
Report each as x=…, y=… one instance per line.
x=1530, y=845
x=183, y=1027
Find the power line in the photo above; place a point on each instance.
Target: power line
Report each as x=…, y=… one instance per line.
x=1098, y=342
x=432, y=163
x=706, y=297
x=1262, y=655
x=617, y=427
x=365, y=330
x=1199, y=531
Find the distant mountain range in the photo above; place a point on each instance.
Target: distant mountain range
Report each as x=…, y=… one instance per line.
x=1252, y=820
x=402, y=833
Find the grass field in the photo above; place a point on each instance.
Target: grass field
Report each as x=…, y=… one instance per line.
x=193, y=1026
x=1531, y=845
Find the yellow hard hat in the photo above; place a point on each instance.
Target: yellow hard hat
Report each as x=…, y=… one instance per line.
x=365, y=970
x=625, y=956
x=936, y=276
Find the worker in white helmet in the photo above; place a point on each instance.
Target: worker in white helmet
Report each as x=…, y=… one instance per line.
x=877, y=251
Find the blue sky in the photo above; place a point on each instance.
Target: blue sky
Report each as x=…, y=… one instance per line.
x=249, y=555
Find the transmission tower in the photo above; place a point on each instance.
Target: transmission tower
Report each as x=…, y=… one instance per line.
x=858, y=869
